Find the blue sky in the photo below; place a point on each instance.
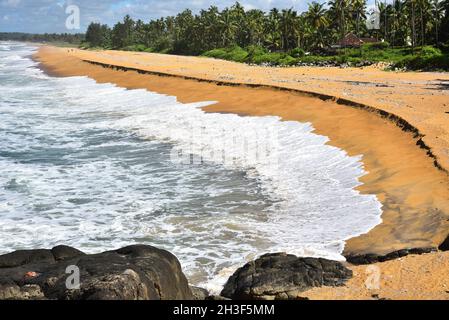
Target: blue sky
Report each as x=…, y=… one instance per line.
x=40, y=16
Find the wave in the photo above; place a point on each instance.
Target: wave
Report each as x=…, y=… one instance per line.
x=103, y=167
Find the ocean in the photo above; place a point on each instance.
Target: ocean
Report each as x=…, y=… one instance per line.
x=98, y=167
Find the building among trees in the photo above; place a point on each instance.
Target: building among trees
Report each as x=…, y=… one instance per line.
x=350, y=40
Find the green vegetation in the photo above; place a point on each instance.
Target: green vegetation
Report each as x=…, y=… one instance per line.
x=234, y=54
x=429, y=58
x=63, y=40
x=399, y=57
x=256, y=55
x=409, y=34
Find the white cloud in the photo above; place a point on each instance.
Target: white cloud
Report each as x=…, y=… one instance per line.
x=39, y=16
x=11, y=3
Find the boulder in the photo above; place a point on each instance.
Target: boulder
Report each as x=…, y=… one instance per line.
x=23, y=257
x=444, y=246
x=283, y=276
x=135, y=272
x=199, y=293
x=217, y=298
x=370, y=258
x=61, y=253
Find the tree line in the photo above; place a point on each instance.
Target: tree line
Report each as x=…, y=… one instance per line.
x=46, y=37
x=401, y=23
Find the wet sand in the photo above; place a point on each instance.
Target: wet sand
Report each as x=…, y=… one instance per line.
x=413, y=191
x=421, y=98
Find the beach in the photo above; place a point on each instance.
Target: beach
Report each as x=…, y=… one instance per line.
x=397, y=121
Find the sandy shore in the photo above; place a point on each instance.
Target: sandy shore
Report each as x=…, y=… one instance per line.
x=413, y=191
x=422, y=277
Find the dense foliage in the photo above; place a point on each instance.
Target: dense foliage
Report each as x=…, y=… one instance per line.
x=406, y=28
x=404, y=22
x=426, y=57
x=283, y=36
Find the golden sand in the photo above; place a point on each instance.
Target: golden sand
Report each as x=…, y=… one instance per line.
x=423, y=277
x=413, y=191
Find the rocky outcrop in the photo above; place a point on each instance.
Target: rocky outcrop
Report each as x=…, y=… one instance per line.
x=283, y=276
x=134, y=272
x=373, y=258
x=199, y=293
x=444, y=246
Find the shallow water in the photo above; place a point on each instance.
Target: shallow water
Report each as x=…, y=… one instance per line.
x=97, y=167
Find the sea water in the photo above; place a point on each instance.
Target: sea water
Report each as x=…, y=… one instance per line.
x=98, y=167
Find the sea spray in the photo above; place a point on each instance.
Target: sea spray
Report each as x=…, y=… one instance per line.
x=98, y=167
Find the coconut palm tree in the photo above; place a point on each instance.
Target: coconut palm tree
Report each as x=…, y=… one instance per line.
x=411, y=6
x=316, y=18
x=256, y=26
x=444, y=23
x=340, y=11
x=316, y=15
x=228, y=26
x=189, y=33
x=383, y=15
x=437, y=10
x=424, y=11
x=286, y=24
x=359, y=10
x=273, y=34
x=239, y=15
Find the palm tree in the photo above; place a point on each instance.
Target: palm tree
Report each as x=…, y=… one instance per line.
x=339, y=10
x=286, y=23
x=424, y=10
x=382, y=7
x=437, y=10
x=359, y=9
x=273, y=34
x=444, y=23
x=256, y=24
x=189, y=33
x=399, y=22
x=238, y=13
x=209, y=25
x=394, y=18
x=317, y=19
x=316, y=15
x=411, y=4
x=228, y=27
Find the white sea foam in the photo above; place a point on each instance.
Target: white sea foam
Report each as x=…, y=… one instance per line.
x=5, y=47
x=93, y=166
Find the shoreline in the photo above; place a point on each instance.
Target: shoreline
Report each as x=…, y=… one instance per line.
x=402, y=94
x=400, y=173
x=399, y=121
x=412, y=190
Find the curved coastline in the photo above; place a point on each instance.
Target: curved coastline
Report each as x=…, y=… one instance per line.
x=407, y=222
x=394, y=118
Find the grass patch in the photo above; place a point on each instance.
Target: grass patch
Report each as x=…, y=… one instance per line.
x=252, y=54
x=136, y=47
x=420, y=58
x=235, y=53
x=427, y=59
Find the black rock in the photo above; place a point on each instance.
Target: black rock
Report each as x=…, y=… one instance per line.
x=22, y=257
x=217, y=298
x=283, y=276
x=134, y=272
x=370, y=258
x=61, y=253
x=199, y=293
x=444, y=246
